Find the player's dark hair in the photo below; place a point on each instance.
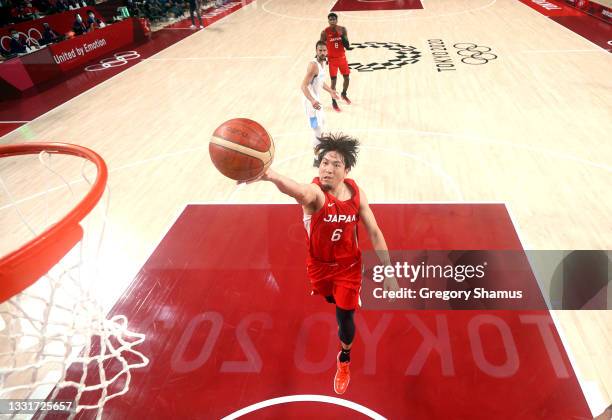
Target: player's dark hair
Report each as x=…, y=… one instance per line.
x=345, y=145
x=332, y=15
x=320, y=44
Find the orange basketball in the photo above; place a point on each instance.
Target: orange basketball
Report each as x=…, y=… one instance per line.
x=241, y=149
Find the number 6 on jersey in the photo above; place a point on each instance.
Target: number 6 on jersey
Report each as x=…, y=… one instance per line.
x=336, y=235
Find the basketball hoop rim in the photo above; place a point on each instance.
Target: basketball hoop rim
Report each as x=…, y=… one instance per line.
x=23, y=266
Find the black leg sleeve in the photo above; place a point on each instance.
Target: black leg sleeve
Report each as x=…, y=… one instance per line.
x=346, y=325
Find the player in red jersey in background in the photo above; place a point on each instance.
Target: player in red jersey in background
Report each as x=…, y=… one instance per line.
x=333, y=205
x=336, y=39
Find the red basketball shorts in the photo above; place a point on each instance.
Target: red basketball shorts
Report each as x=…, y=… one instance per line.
x=336, y=63
x=343, y=282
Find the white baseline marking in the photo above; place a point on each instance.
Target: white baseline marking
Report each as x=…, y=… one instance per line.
x=591, y=395
x=305, y=398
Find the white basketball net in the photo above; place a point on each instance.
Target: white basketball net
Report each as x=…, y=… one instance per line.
x=55, y=339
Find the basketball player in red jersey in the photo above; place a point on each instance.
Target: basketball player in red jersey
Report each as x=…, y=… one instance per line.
x=336, y=39
x=333, y=205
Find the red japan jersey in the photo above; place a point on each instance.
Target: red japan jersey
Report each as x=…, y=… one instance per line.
x=333, y=39
x=332, y=231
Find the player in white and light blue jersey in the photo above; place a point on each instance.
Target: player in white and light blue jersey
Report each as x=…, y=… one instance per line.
x=311, y=88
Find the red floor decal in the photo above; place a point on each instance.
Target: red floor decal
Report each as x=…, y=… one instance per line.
x=358, y=5
x=224, y=303
x=6, y=128
x=578, y=21
x=552, y=8
x=61, y=90
x=593, y=29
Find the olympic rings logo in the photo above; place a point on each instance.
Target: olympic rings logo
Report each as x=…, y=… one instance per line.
x=403, y=55
x=29, y=39
x=117, y=60
x=474, y=54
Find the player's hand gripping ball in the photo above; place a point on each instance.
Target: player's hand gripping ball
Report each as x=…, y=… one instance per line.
x=241, y=149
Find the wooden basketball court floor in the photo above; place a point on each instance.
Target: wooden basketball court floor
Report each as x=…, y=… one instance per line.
x=529, y=129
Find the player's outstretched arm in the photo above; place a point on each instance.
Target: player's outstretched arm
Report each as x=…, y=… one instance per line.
x=376, y=237
x=308, y=195
x=323, y=36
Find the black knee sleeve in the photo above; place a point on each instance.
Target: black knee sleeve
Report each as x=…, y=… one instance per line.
x=346, y=325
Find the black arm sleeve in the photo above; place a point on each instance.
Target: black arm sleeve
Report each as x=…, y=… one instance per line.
x=346, y=42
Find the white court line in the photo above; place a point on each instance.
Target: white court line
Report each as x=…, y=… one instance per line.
x=474, y=139
x=435, y=167
x=591, y=394
x=113, y=294
x=305, y=398
x=513, y=219
x=14, y=122
x=395, y=16
x=506, y=143
x=450, y=136
x=110, y=170
x=438, y=170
